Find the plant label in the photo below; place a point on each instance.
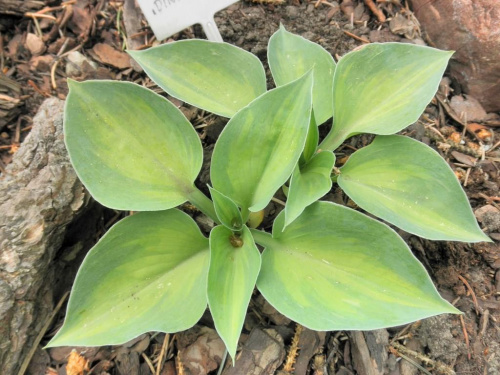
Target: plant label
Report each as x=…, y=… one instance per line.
x=167, y=17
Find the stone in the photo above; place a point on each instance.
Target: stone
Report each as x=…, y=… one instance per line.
x=472, y=29
x=35, y=44
x=78, y=64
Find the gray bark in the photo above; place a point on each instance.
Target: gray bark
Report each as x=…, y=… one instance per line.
x=19, y=7
x=40, y=196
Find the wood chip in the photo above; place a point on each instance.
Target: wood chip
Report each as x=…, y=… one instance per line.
x=110, y=56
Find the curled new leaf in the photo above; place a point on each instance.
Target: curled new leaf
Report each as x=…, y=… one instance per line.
x=234, y=267
x=308, y=184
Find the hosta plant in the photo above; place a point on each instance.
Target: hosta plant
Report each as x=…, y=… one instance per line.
x=324, y=265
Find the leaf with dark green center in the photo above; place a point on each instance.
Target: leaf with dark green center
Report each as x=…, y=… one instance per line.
x=260, y=146
x=336, y=269
x=291, y=56
x=311, y=141
x=409, y=185
x=234, y=267
x=217, y=77
x=133, y=149
x=148, y=273
x=383, y=88
x=308, y=184
x=227, y=211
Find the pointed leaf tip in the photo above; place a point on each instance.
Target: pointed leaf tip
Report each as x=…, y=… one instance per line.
x=408, y=184
x=290, y=56
x=383, y=88
x=260, y=146
x=124, y=289
x=335, y=269
x=231, y=280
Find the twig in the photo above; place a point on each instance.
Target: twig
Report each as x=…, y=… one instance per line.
x=409, y=360
x=471, y=291
x=42, y=332
x=439, y=367
x=40, y=15
x=162, y=353
x=279, y=201
x=180, y=366
x=53, y=74
x=466, y=336
x=149, y=363
x=354, y=36
x=380, y=15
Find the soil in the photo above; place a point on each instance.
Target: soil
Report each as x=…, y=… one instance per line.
x=467, y=275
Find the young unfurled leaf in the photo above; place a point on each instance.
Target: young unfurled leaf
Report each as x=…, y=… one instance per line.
x=148, y=273
x=260, y=146
x=291, y=56
x=218, y=77
x=231, y=280
x=383, y=88
x=133, y=149
x=311, y=141
x=334, y=268
x=409, y=185
x=227, y=211
x=308, y=184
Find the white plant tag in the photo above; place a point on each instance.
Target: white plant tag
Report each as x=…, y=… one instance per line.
x=167, y=17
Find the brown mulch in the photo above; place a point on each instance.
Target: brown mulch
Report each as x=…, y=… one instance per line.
x=86, y=39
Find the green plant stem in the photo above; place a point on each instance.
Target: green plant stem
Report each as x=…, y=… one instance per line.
x=245, y=213
x=202, y=203
x=332, y=141
x=262, y=238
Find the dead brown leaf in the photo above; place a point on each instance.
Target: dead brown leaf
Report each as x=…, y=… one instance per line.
x=77, y=364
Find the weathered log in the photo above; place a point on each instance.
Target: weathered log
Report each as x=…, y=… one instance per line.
x=40, y=196
x=19, y=7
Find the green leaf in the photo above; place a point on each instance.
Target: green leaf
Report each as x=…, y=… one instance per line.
x=308, y=184
x=133, y=149
x=311, y=141
x=259, y=147
x=227, y=211
x=231, y=280
x=217, y=77
x=409, y=185
x=383, y=88
x=148, y=273
x=290, y=56
x=336, y=269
